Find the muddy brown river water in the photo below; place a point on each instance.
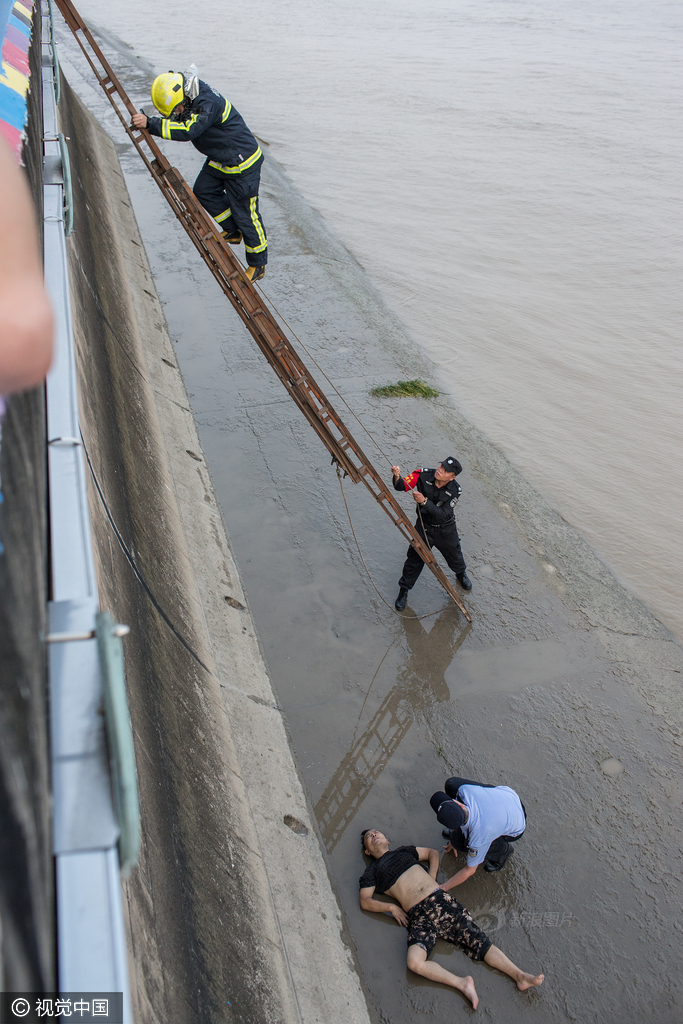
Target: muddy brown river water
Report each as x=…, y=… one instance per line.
x=508, y=173
x=563, y=687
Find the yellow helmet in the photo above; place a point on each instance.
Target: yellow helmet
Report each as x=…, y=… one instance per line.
x=167, y=92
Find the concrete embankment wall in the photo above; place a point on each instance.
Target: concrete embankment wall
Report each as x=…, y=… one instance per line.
x=230, y=912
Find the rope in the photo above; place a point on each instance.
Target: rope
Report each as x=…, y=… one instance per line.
x=332, y=385
x=356, y=540
x=136, y=572
x=360, y=713
x=427, y=614
x=426, y=538
x=422, y=524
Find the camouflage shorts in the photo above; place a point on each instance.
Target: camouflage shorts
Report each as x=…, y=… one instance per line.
x=440, y=916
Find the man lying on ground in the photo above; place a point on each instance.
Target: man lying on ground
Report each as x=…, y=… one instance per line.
x=428, y=913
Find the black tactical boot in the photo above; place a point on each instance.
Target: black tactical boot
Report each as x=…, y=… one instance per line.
x=464, y=581
x=401, y=599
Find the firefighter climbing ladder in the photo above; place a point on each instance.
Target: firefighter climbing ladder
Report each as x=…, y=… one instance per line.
x=250, y=306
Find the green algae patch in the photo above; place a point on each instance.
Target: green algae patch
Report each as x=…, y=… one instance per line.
x=405, y=389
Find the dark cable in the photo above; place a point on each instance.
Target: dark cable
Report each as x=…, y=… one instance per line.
x=138, y=575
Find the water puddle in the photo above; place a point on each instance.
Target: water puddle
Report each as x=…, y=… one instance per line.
x=509, y=669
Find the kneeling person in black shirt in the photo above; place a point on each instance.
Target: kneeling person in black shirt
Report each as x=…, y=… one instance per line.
x=428, y=913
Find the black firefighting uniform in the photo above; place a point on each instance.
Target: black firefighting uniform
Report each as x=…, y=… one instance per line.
x=439, y=521
x=228, y=183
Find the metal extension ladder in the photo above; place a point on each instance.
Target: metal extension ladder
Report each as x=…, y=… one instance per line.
x=250, y=306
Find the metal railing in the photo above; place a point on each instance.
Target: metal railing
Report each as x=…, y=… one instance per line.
x=96, y=820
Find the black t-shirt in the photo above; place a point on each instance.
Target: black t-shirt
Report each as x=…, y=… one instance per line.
x=388, y=868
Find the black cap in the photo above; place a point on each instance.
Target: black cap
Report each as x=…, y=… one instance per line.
x=448, y=813
x=452, y=465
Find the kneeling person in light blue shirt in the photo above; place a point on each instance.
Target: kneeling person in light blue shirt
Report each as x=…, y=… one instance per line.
x=480, y=819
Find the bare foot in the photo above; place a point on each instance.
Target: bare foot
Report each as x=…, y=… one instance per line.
x=528, y=981
x=470, y=991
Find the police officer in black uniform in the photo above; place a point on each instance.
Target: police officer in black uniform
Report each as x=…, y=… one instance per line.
x=436, y=493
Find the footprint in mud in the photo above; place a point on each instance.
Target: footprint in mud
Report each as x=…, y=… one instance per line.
x=296, y=826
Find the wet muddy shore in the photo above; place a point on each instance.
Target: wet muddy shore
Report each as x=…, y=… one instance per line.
x=564, y=687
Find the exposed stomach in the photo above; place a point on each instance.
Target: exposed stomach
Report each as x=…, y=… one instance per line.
x=412, y=887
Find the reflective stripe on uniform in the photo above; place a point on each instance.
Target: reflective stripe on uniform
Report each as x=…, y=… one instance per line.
x=256, y=221
x=168, y=126
x=227, y=169
x=226, y=112
x=223, y=216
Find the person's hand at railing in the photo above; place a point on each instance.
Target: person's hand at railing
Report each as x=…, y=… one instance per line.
x=25, y=314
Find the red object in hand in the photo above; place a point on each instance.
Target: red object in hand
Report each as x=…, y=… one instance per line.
x=411, y=481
